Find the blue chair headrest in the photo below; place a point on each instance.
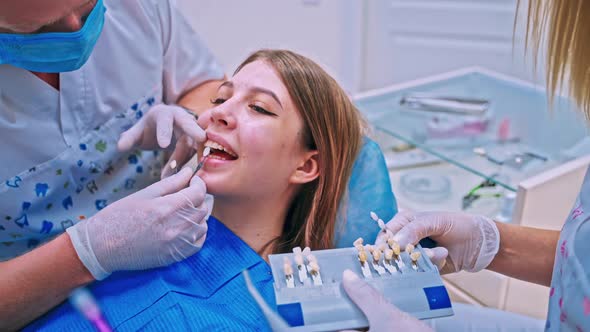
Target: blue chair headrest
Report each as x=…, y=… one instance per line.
x=369, y=189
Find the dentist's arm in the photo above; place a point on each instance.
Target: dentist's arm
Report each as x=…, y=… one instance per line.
x=157, y=226
x=526, y=253
x=39, y=280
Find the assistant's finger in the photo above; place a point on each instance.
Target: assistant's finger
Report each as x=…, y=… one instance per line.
x=400, y=220
x=381, y=314
x=367, y=298
x=438, y=256
x=194, y=193
x=187, y=124
x=132, y=137
x=181, y=154
x=164, y=127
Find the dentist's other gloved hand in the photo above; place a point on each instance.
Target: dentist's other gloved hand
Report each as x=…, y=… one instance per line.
x=162, y=126
x=157, y=226
x=381, y=314
x=466, y=242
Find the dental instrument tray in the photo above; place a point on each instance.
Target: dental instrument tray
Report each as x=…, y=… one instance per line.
x=309, y=294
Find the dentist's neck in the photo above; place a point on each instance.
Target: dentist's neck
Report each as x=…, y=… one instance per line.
x=257, y=222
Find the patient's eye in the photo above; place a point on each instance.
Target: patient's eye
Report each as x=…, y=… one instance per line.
x=261, y=110
x=217, y=101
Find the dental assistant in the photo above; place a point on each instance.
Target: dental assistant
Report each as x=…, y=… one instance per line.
x=559, y=260
x=74, y=75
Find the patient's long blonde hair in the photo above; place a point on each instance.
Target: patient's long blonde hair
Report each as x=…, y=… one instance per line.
x=332, y=126
x=566, y=26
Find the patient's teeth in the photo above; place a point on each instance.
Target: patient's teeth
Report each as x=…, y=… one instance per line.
x=217, y=146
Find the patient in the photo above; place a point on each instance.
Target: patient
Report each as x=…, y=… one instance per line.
x=284, y=137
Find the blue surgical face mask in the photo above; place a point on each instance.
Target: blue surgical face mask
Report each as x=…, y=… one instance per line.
x=53, y=52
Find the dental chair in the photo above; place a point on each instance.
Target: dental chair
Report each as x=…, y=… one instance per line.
x=369, y=189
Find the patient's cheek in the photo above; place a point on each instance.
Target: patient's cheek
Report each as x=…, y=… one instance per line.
x=258, y=142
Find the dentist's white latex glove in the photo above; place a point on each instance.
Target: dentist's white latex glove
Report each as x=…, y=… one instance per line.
x=162, y=126
x=157, y=226
x=467, y=242
x=381, y=314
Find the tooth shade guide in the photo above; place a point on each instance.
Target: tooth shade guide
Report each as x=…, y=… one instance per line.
x=287, y=267
x=314, y=267
x=388, y=254
x=376, y=255
x=315, y=273
x=362, y=257
x=394, y=246
x=206, y=152
x=381, y=224
x=288, y=270
x=301, y=269
x=409, y=248
x=388, y=261
x=415, y=256
x=365, y=266
x=299, y=259
x=358, y=242
x=390, y=267
x=306, y=251
x=322, y=303
x=380, y=269
x=374, y=216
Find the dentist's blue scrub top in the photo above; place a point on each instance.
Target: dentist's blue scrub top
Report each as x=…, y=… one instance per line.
x=205, y=292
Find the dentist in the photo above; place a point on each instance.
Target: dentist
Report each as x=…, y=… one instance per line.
x=76, y=204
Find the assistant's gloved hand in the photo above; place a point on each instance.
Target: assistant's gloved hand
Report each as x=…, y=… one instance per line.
x=159, y=225
x=158, y=127
x=467, y=242
x=382, y=315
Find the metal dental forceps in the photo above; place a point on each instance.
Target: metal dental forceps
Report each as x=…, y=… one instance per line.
x=453, y=105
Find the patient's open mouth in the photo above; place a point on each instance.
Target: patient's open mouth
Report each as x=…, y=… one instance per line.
x=219, y=151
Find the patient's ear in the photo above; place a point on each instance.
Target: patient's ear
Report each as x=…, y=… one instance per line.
x=308, y=170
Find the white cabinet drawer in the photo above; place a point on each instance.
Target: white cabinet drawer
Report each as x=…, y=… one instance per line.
x=486, y=287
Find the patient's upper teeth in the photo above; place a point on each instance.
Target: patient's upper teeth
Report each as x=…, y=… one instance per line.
x=218, y=146
x=229, y=152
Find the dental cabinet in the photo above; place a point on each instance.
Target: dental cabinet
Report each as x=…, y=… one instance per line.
x=477, y=141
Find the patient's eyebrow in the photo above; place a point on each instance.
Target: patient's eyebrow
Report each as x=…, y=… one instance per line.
x=254, y=89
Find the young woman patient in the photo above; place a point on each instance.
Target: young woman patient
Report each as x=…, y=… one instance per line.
x=284, y=137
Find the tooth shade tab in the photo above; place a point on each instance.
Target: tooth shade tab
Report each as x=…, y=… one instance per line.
x=358, y=242
x=374, y=216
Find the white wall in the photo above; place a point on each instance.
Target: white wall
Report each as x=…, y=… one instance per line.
x=328, y=31
x=408, y=39
x=368, y=44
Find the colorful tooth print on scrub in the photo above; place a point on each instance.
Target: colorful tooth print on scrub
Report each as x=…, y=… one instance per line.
x=44, y=200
